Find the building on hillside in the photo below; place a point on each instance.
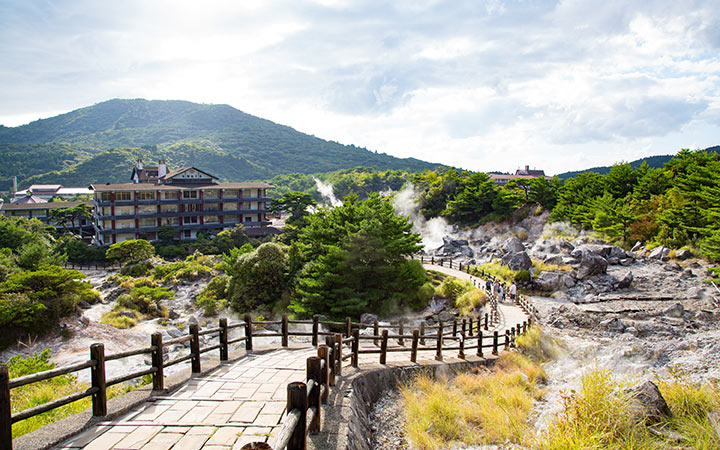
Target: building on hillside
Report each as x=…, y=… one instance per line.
x=189, y=199
x=502, y=179
x=47, y=192
x=42, y=211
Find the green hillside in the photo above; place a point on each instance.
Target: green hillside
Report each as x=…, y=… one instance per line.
x=218, y=138
x=654, y=162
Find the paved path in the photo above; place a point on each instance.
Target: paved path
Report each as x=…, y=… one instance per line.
x=236, y=404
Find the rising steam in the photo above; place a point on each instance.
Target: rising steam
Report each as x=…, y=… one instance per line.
x=327, y=193
x=433, y=230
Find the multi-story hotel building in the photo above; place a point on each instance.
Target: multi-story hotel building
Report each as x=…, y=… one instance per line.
x=188, y=199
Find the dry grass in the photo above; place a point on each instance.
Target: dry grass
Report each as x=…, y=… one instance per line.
x=473, y=409
x=542, y=267
x=539, y=346
x=469, y=301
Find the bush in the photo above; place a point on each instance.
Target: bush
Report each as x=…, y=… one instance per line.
x=452, y=287
x=131, y=251
x=470, y=301
x=537, y=345
x=121, y=318
x=137, y=270
x=195, y=267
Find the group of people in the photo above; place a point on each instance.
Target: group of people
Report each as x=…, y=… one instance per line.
x=499, y=290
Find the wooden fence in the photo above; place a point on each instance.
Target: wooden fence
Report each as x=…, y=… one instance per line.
x=461, y=335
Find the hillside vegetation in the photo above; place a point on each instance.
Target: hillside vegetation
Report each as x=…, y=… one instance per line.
x=222, y=140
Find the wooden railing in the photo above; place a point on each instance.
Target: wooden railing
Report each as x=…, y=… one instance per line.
x=463, y=334
x=93, y=265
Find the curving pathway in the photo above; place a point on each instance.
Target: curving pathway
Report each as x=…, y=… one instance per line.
x=238, y=403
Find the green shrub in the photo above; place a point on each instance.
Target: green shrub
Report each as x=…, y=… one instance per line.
x=211, y=305
x=193, y=268
x=122, y=318
x=137, y=270
x=452, y=287
x=131, y=251
x=521, y=275
x=469, y=301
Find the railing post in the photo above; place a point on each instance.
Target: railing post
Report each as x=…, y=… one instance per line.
x=439, y=342
x=157, y=362
x=432, y=260
x=315, y=330
x=376, y=332
x=480, y=344
x=486, y=321
x=97, y=375
x=313, y=373
x=470, y=327
x=195, y=348
x=413, y=351
x=330, y=342
x=224, y=354
x=297, y=399
x=401, y=330
x=495, y=343
x=461, y=352
x=348, y=327
x=383, y=347
x=338, y=355
x=422, y=333
x=454, y=332
x=507, y=339
x=284, y=328
x=248, y=333
x=5, y=409
x=324, y=354
x=462, y=327
x=356, y=348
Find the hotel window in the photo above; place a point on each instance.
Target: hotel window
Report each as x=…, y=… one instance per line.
x=106, y=196
x=211, y=219
x=171, y=221
x=146, y=195
x=168, y=208
x=248, y=219
x=190, y=194
x=147, y=223
x=230, y=193
x=210, y=193
x=211, y=207
x=170, y=195
x=147, y=209
x=122, y=196
x=192, y=219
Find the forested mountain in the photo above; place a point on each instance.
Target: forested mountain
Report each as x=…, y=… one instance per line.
x=218, y=138
x=653, y=162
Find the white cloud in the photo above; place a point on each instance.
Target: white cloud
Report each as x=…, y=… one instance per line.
x=483, y=85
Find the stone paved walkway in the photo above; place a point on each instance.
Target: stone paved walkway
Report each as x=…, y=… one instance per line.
x=236, y=404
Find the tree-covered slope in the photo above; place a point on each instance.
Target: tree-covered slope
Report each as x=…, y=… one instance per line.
x=224, y=141
x=654, y=162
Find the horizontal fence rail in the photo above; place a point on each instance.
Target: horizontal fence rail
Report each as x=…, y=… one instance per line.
x=304, y=399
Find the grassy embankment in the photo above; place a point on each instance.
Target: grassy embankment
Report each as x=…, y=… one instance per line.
x=494, y=408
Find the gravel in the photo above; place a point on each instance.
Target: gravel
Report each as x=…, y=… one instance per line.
x=388, y=422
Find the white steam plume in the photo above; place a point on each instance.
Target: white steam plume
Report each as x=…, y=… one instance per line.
x=327, y=192
x=433, y=230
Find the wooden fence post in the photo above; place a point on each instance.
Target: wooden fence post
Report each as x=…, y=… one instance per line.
x=461, y=352
x=479, y=343
x=414, y=349
x=486, y=321
x=315, y=330
x=324, y=354
x=348, y=327
x=401, y=330
x=330, y=342
x=439, y=342
x=157, y=362
x=5, y=409
x=470, y=327
x=507, y=339
x=297, y=399
x=313, y=373
x=454, y=330
x=462, y=327
x=422, y=333
x=248, y=333
x=338, y=355
x=284, y=328
x=356, y=348
x=383, y=347
x=97, y=375
x=376, y=332
x=495, y=343
x=195, y=348
x=224, y=353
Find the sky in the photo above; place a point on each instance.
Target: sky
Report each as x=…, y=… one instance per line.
x=481, y=85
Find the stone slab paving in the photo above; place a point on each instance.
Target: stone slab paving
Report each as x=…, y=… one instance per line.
x=238, y=403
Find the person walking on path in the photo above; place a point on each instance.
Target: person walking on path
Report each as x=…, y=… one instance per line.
x=513, y=292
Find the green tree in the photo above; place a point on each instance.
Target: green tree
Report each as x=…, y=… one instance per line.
x=35, y=254
x=355, y=260
x=258, y=278
x=167, y=234
x=295, y=203
x=614, y=217
x=61, y=216
x=131, y=251
x=474, y=201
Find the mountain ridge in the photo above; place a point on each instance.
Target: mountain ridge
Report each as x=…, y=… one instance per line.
x=219, y=138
